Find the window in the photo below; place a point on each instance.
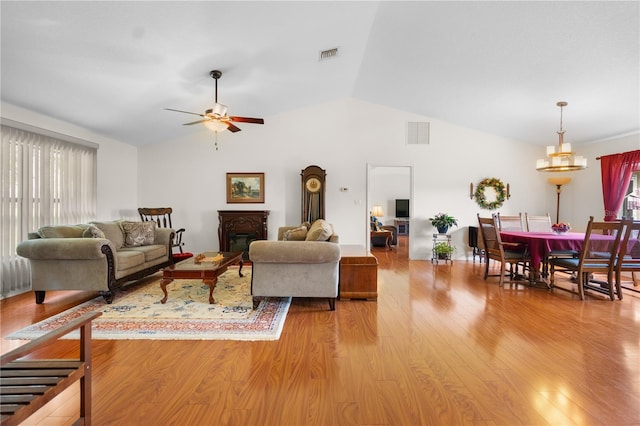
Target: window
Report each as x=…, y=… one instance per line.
x=631, y=204
x=46, y=180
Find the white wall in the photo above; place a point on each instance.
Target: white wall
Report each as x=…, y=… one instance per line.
x=341, y=137
x=117, y=163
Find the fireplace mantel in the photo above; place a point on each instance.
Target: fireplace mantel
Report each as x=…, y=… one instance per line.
x=237, y=228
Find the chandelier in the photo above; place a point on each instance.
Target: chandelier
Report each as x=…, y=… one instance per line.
x=561, y=159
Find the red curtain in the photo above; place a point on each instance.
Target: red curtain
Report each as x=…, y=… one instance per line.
x=616, y=172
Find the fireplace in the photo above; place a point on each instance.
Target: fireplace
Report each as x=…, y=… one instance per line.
x=238, y=228
x=239, y=241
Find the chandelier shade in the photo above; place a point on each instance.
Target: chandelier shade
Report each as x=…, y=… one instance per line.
x=560, y=158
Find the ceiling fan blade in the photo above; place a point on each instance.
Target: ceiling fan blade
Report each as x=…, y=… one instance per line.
x=233, y=128
x=186, y=112
x=247, y=120
x=195, y=122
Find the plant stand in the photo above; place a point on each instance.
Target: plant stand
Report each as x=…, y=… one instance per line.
x=446, y=257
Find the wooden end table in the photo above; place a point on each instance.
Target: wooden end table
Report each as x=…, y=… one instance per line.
x=206, y=269
x=358, y=273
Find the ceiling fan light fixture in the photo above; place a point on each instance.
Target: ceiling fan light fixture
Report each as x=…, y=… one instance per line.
x=561, y=158
x=216, y=118
x=219, y=110
x=215, y=125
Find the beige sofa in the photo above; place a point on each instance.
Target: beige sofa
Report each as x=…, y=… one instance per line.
x=98, y=256
x=295, y=266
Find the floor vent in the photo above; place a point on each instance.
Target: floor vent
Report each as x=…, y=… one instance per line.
x=328, y=54
x=418, y=133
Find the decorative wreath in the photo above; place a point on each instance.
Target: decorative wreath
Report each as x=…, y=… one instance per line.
x=501, y=194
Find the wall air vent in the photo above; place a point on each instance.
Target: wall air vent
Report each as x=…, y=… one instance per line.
x=328, y=54
x=417, y=133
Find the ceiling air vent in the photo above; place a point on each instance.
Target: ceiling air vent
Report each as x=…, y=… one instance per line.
x=328, y=54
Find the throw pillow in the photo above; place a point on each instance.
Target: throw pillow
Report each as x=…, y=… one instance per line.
x=297, y=234
x=61, y=231
x=112, y=231
x=93, y=231
x=139, y=233
x=320, y=230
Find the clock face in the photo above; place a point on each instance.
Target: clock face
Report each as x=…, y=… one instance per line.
x=313, y=185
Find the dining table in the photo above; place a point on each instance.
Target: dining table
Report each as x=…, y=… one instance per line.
x=540, y=244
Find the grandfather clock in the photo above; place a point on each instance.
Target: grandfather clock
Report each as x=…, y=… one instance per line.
x=313, y=190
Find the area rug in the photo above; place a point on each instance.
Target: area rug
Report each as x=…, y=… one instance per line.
x=136, y=312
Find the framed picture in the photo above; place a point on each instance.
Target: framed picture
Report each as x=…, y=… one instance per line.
x=245, y=187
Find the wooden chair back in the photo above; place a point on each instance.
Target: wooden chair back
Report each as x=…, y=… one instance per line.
x=628, y=259
x=538, y=223
x=495, y=250
x=598, y=255
x=490, y=236
x=162, y=217
x=510, y=223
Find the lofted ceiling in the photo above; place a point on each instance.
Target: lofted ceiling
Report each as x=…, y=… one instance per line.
x=500, y=67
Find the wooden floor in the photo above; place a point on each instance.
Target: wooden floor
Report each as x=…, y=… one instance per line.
x=440, y=346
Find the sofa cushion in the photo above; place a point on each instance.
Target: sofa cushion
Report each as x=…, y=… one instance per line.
x=93, y=231
x=138, y=234
x=296, y=234
x=150, y=252
x=62, y=231
x=129, y=259
x=112, y=232
x=320, y=230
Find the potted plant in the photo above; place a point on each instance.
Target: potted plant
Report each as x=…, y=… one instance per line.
x=443, y=221
x=443, y=250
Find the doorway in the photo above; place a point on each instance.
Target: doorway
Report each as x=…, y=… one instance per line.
x=385, y=185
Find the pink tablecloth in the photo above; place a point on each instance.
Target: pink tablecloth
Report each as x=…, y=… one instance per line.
x=541, y=243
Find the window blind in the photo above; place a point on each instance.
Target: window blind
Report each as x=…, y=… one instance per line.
x=45, y=181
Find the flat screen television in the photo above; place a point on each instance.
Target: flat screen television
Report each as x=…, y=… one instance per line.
x=402, y=208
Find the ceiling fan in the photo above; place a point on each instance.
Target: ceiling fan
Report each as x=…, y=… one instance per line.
x=216, y=118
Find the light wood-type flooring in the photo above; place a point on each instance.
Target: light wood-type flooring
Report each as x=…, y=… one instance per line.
x=441, y=346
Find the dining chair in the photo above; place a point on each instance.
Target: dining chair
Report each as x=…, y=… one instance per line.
x=511, y=254
x=510, y=223
x=538, y=223
x=628, y=259
x=542, y=223
x=597, y=256
x=162, y=217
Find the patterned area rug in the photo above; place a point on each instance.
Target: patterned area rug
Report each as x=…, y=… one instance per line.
x=136, y=312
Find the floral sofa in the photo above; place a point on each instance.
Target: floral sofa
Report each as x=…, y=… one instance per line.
x=98, y=256
x=304, y=262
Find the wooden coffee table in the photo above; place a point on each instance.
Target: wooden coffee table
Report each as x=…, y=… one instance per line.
x=208, y=269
